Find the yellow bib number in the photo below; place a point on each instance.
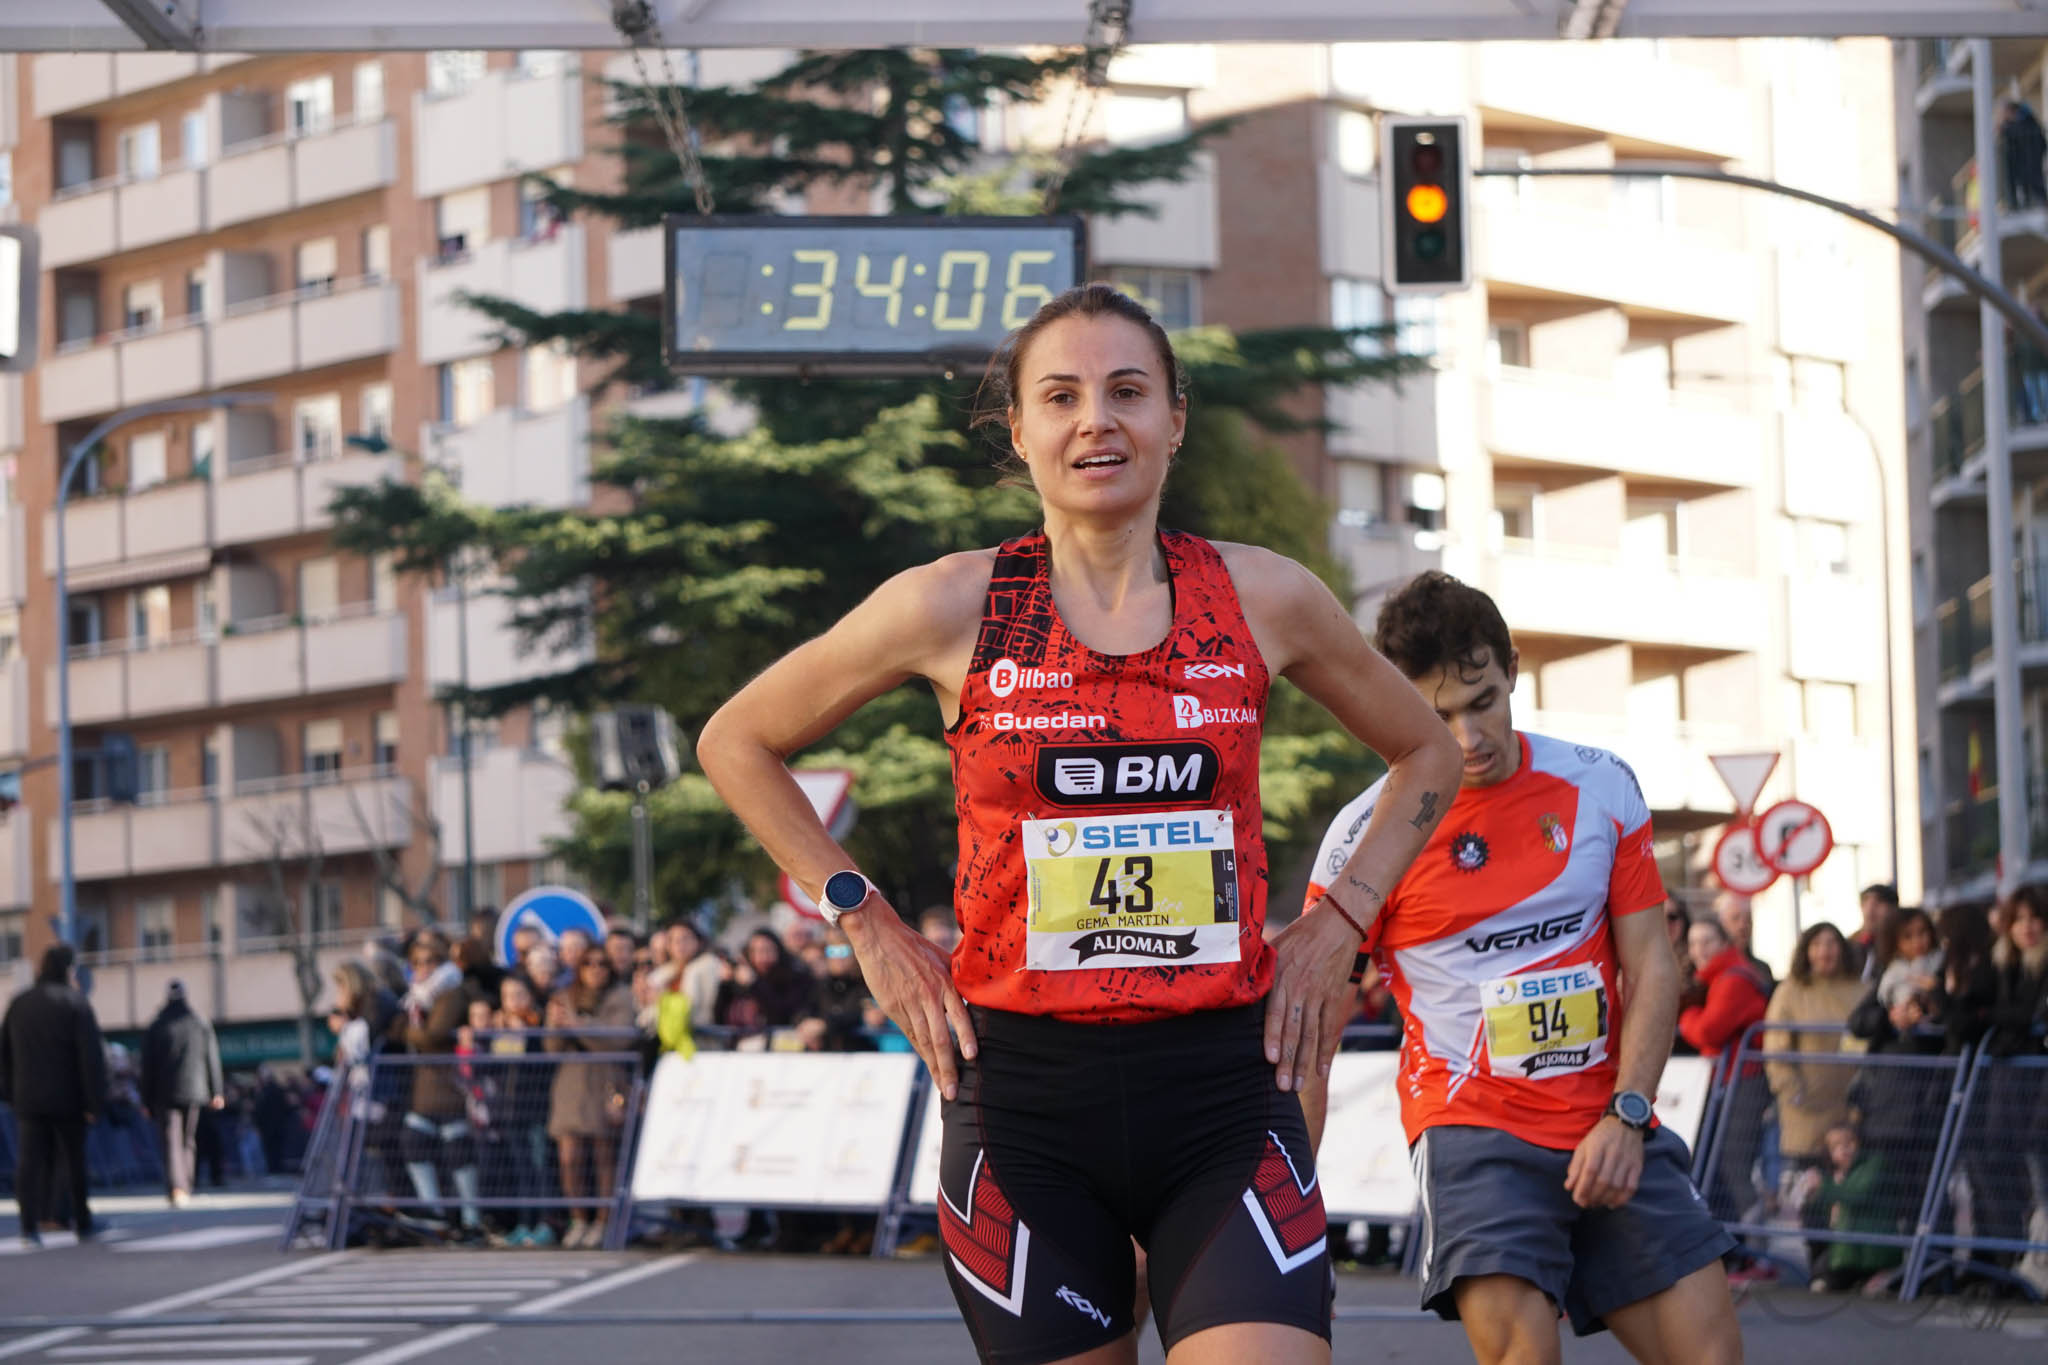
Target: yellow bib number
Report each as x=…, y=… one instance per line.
x=1146, y=890
x=1548, y=1023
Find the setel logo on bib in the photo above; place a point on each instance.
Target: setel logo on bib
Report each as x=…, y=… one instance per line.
x=1190, y=714
x=1006, y=676
x=1166, y=773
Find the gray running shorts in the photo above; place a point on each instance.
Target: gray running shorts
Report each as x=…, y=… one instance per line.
x=1493, y=1204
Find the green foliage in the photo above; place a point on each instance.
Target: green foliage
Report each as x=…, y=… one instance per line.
x=734, y=549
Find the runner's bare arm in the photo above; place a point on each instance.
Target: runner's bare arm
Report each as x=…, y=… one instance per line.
x=1607, y=1164
x=921, y=623
x=1307, y=637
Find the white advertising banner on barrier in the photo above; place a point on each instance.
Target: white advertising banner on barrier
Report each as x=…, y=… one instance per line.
x=775, y=1130
x=1363, y=1163
x=1682, y=1097
x=924, y=1163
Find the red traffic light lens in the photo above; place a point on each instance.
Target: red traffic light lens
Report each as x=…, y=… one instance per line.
x=1428, y=203
x=1428, y=161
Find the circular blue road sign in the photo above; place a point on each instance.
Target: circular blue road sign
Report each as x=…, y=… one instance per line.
x=551, y=909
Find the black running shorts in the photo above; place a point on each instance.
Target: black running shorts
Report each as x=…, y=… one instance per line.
x=1069, y=1140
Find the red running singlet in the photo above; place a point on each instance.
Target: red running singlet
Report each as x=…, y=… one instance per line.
x=1111, y=864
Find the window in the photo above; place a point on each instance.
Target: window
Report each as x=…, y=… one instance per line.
x=192, y=141
x=377, y=252
x=1169, y=295
x=390, y=908
x=149, y=614
x=209, y=763
x=322, y=747
x=75, y=157
x=205, y=606
x=1644, y=365
x=6, y=178
x=452, y=72
x=318, y=424
x=369, y=99
x=547, y=377
x=209, y=916
x=462, y=222
x=78, y=314
x=202, y=449
x=383, y=583
x=1357, y=142
x=1507, y=343
x=309, y=106
x=92, y=929
x=375, y=411
x=1514, y=511
x=314, y=262
x=142, y=306
x=195, y=293
x=137, y=152
x=1427, y=497
x=11, y=931
x=1824, y=547
x=1132, y=117
x=152, y=773
x=155, y=927
x=1359, y=303
x=1651, y=530
x=86, y=627
x=543, y=61
x=537, y=217
x=467, y=391
x=1643, y=201
x=1361, y=493
x=320, y=588
x=1498, y=158
x=489, y=888
x=323, y=909
x=386, y=755
x=146, y=460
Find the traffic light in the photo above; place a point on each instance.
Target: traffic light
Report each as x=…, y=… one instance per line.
x=1424, y=178
x=630, y=745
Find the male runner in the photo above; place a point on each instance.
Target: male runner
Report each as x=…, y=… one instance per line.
x=1518, y=947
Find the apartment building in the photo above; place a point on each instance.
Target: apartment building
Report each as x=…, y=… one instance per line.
x=1979, y=422
x=1663, y=424
x=1655, y=431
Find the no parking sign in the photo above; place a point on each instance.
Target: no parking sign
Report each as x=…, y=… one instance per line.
x=554, y=910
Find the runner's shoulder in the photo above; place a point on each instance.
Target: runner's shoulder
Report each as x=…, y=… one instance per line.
x=946, y=593
x=1268, y=583
x=1601, y=773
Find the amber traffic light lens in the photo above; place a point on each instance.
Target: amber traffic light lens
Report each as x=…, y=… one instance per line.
x=1428, y=203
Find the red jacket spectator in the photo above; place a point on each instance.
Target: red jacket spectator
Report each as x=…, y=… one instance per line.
x=1737, y=996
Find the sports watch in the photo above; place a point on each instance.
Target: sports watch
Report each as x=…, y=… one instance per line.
x=844, y=891
x=1632, y=1108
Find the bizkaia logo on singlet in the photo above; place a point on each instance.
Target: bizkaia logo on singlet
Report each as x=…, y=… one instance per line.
x=1190, y=714
x=1169, y=773
x=1007, y=675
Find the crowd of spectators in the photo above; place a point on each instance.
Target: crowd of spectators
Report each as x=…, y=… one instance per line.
x=1824, y=1143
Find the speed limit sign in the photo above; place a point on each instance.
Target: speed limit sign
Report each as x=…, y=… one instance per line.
x=1739, y=863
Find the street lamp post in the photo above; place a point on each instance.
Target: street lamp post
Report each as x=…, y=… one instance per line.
x=67, y=920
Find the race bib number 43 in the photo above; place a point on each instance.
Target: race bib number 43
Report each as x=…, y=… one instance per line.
x=1548, y=1023
x=1131, y=891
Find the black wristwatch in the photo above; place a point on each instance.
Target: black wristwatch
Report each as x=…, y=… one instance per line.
x=1632, y=1108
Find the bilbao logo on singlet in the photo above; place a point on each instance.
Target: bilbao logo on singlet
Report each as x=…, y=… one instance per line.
x=1175, y=772
x=1007, y=676
x=1190, y=714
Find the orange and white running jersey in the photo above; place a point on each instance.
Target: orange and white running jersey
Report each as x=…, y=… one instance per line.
x=1498, y=946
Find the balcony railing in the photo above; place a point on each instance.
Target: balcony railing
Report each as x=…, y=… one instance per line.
x=2034, y=600
x=2027, y=386
x=1972, y=827
x=1956, y=421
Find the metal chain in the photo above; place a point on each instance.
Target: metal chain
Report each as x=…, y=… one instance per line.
x=1109, y=32
x=636, y=23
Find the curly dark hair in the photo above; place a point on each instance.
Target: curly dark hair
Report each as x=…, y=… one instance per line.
x=1434, y=621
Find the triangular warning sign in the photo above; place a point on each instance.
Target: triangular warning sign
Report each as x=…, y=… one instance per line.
x=1744, y=775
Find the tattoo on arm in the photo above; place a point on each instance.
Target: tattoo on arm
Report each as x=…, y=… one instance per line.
x=1425, y=817
x=1364, y=888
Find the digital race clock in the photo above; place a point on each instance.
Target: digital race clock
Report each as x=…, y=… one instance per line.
x=757, y=295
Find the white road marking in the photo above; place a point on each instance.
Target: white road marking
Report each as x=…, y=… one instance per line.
x=38, y=1341
x=199, y=1239
x=269, y=1343
x=225, y=1360
x=265, y=1328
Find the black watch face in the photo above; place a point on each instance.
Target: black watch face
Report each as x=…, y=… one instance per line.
x=1633, y=1109
x=845, y=890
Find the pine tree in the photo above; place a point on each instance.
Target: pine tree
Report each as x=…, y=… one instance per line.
x=736, y=548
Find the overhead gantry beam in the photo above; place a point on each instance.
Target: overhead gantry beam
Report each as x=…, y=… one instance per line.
x=162, y=25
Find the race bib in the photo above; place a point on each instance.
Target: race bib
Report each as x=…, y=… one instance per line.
x=1547, y=1023
x=1131, y=891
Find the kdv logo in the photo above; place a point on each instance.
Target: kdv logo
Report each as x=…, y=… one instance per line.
x=1172, y=774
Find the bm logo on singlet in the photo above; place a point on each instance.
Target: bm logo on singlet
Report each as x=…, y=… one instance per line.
x=1171, y=773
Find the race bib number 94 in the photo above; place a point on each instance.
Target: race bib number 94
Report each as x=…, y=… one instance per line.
x=1131, y=891
x=1548, y=1023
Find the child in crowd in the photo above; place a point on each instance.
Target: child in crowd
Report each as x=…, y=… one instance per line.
x=1845, y=1196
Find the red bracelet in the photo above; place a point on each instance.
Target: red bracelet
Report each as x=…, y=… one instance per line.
x=1346, y=914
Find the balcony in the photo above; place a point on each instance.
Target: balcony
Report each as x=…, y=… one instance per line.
x=1380, y=555
x=12, y=432
x=1972, y=834
x=17, y=874
x=1534, y=246
x=175, y=832
x=1670, y=760
x=507, y=123
x=545, y=274
x=304, y=330
x=331, y=813
x=1183, y=236
x=1547, y=588
x=171, y=522
x=256, y=983
x=1561, y=419
x=633, y=264
x=14, y=707
x=13, y=557
x=65, y=81
x=497, y=654
x=511, y=457
x=283, y=657
x=1616, y=90
x=1389, y=421
x=277, y=174
x=85, y=379
x=517, y=798
x=1955, y=424
x=87, y=222
x=287, y=496
x=117, y=681
x=1944, y=85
